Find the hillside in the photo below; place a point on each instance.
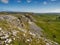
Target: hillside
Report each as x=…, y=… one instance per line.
x=28, y=29
x=50, y=23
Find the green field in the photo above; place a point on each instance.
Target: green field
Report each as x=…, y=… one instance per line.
x=50, y=24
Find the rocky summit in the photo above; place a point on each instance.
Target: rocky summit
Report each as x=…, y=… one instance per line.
x=22, y=30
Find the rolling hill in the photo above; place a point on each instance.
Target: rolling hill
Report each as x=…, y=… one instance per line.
x=29, y=29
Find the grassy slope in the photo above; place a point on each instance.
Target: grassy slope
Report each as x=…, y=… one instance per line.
x=50, y=25
x=6, y=26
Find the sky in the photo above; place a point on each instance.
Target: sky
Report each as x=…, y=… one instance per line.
x=36, y=6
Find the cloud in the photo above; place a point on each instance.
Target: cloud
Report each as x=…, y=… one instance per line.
x=44, y=2
x=50, y=11
x=28, y=1
x=53, y=0
x=5, y=1
x=56, y=10
x=19, y=1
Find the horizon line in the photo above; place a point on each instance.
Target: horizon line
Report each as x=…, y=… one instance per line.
x=28, y=12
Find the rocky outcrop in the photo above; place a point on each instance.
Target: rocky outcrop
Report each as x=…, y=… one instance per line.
x=21, y=29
